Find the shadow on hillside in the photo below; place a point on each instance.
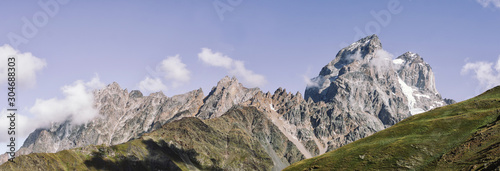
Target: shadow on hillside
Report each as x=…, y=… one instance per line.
x=160, y=156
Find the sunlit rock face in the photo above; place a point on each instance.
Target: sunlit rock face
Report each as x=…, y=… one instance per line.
x=365, y=91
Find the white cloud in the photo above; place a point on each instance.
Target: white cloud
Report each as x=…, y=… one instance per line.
x=354, y=57
x=171, y=70
x=487, y=74
x=215, y=59
x=27, y=66
x=382, y=60
x=152, y=85
x=248, y=76
x=95, y=83
x=77, y=104
x=311, y=82
x=486, y=3
x=381, y=53
x=174, y=70
x=234, y=67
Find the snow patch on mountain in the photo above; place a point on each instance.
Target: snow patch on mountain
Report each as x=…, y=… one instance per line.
x=422, y=95
x=408, y=92
x=398, y=61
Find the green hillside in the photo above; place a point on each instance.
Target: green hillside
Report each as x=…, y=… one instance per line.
x=241, y=138
x=464, y=135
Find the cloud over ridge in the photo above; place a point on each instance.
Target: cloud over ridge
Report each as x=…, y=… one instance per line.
x=152, y=85
x=77, y=104
x=233, y=67
x=174, y=70
x=487, y=73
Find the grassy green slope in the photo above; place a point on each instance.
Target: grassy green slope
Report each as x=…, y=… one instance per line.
x=462, y=135
x=135, y=155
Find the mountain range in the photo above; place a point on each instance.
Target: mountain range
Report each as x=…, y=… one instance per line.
x=363, y=90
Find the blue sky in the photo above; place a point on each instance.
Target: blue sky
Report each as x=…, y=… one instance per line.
x=266, y=44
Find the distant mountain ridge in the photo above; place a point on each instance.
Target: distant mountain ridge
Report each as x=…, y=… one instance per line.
x=353, y=97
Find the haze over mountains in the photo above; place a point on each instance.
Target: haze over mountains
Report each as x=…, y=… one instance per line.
x=363, y=90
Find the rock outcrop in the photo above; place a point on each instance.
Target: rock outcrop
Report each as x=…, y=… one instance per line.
x=449, y=101
x=417, y=82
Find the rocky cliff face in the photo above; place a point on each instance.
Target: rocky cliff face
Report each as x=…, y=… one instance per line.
x=123, y=116
x=315, y=127
x=417, y=82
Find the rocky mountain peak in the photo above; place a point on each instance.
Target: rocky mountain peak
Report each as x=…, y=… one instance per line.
x=365, y=87
x=222, y=97
x=417, y=82
x=111, y=89
x=280, y=91
x=227, y=80
x=361, y=56
x=344, y=79
x=357, y=51
x=298, y=95
x=227, y=84
x=113, y=86
x=365, y=44
x=408, y=57
x=414, y=71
